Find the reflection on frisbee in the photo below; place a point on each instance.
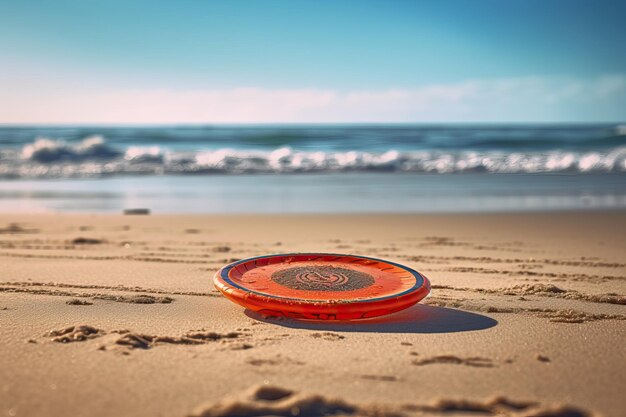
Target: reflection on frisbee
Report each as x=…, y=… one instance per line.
x=321, y=286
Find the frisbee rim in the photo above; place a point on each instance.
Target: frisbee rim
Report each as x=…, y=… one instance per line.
x=421, y=281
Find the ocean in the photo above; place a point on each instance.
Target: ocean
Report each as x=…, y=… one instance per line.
x=313, y=168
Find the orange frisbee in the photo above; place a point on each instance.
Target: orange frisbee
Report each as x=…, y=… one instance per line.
x=321, y=286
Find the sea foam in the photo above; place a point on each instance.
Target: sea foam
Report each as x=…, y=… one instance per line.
x=48, y=151
x=93, y=157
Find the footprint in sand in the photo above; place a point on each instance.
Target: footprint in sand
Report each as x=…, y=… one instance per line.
x=78, y=302
x=75, y=334
x=15, y=228
x=386, y=378
x=328, y=336
x=275, y=361
x=146, y=341
x=128, y=340
x=86, y=241
x=268, y=400
x=476, y=361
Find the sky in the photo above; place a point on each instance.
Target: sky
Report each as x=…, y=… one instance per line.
x=333, y=61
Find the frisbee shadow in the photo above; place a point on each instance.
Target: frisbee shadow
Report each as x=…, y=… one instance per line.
x=416, y=319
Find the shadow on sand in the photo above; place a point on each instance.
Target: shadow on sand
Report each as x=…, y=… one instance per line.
x=417, y=319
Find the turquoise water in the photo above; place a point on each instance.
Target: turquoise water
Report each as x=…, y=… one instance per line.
x=317, y=169
x=81, y=152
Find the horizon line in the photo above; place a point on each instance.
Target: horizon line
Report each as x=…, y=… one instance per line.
x=285, y=124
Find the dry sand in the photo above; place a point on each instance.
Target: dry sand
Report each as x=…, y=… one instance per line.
x=116, y=316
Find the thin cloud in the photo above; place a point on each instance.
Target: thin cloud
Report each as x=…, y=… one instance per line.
x=532, y=99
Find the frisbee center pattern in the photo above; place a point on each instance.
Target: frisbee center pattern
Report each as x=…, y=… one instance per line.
x=322, y=278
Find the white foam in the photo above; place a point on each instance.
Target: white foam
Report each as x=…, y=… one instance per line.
x=144, y=154
x=93, y=157
x=48, y=150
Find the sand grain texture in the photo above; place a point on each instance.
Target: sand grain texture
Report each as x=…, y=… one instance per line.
x=526, y=318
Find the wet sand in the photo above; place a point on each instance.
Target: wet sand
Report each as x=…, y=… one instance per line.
x=105, y=315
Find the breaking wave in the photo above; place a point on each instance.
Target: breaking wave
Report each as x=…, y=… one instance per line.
x=93, y=157
x=47, y=150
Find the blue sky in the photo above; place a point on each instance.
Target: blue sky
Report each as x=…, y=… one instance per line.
x=110, y=61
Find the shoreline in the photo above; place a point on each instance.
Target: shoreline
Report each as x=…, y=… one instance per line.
x=320, y=193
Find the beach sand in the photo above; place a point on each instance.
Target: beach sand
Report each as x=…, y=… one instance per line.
x=104, y=315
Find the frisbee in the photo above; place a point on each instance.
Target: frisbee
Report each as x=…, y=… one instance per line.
x=321, y=286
